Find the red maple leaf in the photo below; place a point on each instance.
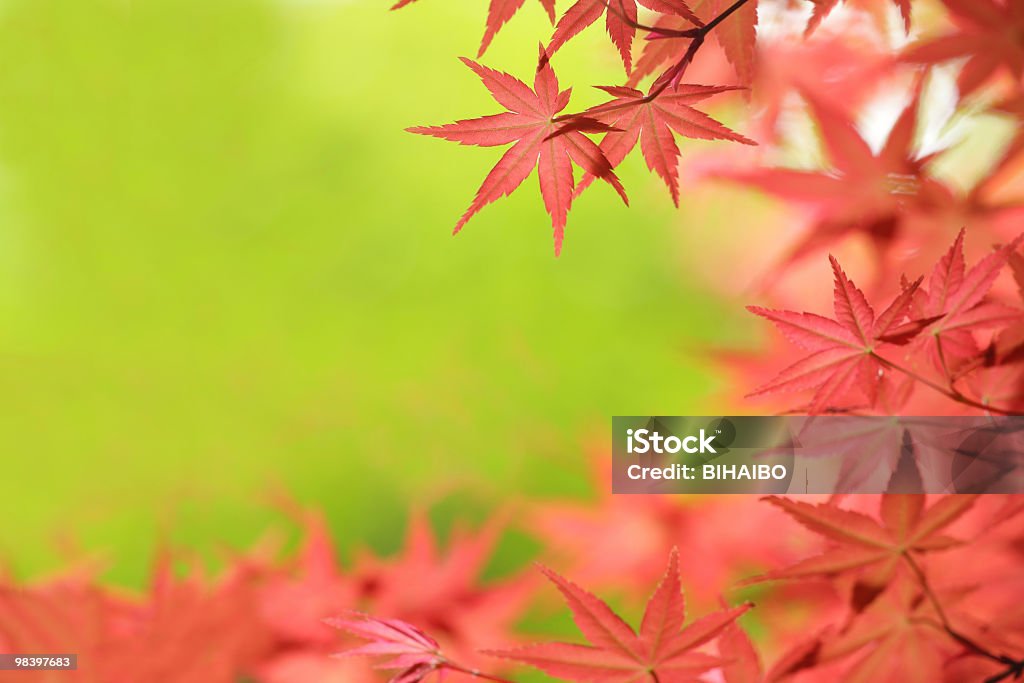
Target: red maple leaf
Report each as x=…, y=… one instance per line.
x=869, y=549
x=996, y=375
x=654, y=122
x=191, y=629
x=861, y=190
x=662, y=649
x=988, y=34
x=498, y=14
x=737, y=34
x=822, y=8
x=659, y=53
x=612, y=536
x=462, y=611
x=957, y=300
x=529, y=126
x=899, y=639
x=296, y=599
x=898, y=456
x=745, y=666
x=182, y=630
x=62, y=617
x=620, y=21
x=843, y=72
x=1008, y=345
x=404, y=648
x=845, y=352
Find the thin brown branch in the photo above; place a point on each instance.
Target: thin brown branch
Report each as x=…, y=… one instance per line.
x=668, y=32
x=948, y=392
x=476, y=673
x=1014, y=668
x=937, y=606
x=674, y=73
x=707, y=28
x=1014, y=671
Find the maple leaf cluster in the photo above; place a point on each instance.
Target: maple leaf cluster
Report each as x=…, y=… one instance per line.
x=543, y=137
x=262, y=619
x=859, y=359
x=883, y=586
x=860, y=582
x=898, y=191
x=534, y=124
x=932, y=335
x=888, y=566
x=662, y=649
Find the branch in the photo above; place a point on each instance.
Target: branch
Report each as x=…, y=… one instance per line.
x=671, y=76
x=949, y=392
x=476, y=673
x=723, y=16
x=667, y=32
x=1014, y=668
x=675, y=74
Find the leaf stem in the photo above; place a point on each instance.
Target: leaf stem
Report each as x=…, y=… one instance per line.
x=707, y=28
x=934, y=600
x=674, y=73
x=1014, y=668
x=668, y=32
x=948, y=392
x=476, y=673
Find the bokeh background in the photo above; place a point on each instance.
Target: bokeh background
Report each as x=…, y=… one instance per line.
x=225, y=271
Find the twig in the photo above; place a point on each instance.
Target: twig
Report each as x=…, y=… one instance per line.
x=673, y=74
x=1014, y=668
x=476, y=673
x=668, y=32
x=948, y=392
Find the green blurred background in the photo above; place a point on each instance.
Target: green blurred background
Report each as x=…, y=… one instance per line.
x=225, y=268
